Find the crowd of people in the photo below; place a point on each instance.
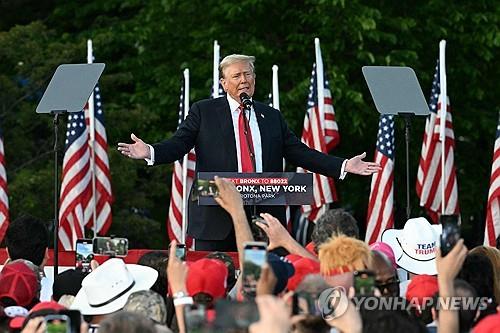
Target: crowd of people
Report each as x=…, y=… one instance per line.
x=337, y=283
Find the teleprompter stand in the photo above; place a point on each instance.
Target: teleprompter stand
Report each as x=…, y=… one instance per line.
x=396, y=91
x=68, y=91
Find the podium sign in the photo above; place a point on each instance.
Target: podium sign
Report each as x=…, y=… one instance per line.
x=265, y=189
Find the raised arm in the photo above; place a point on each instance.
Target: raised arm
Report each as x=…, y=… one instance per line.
x=230, y=199
x=448, y=268
x=279, y=236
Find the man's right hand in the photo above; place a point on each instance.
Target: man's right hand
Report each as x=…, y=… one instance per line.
x=137, y=150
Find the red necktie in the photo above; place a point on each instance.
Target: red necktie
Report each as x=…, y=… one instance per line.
x=246, y=144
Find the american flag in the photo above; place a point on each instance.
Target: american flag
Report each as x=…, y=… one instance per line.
x=174, y=220
x=76, y=186
x=320, y=133
x=270, y=99
x=380, y=207
x=221, y=92
x=4, y=200
x=429, y=169
x=492, y=230
x=103, y=194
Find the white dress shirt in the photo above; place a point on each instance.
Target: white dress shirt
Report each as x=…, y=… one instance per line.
x=254, y=129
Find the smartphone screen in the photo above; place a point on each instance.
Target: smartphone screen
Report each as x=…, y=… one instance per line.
x=110, y=246
x=450, y=233
x=364, y=283
x=204, y=188
x=75, y=318
x=57, y=323
x=254, y=257
x=83, y=254
x=180, y=251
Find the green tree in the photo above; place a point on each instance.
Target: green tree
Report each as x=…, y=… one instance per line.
x=146, y=45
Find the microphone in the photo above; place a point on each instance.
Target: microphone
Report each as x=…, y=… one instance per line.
x=246, y=101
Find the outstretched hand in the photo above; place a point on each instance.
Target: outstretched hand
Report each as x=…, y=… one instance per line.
x=358, y=166
x=137, y=150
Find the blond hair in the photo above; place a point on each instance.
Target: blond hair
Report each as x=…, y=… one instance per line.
x=343, y=254
x=493, y=254
x=233, y=59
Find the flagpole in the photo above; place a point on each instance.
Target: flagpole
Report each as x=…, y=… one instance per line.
x=320, y=80
x=276, y=105
x=442, y=126
x=185, y=161
x=276, y=92
x=215, y=87
x=92, y=141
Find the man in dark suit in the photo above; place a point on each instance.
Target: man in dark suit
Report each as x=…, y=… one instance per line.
x=228, y=138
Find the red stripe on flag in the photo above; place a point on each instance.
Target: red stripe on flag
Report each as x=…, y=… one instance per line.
x=428, y=188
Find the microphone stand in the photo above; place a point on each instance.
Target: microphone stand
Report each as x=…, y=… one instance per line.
x=56, y=196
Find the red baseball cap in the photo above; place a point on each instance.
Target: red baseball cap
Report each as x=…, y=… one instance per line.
x=52, y=305
x=489, y=324
x=422, y=286
x=19, y=282
x=17, y=322
x=303, y=267
x=293, y=258
x=311, y=248
x=207, y=276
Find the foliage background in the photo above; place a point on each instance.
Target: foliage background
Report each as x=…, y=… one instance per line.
x=146, y=45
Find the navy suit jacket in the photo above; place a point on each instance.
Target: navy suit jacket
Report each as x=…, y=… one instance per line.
x=209, y=129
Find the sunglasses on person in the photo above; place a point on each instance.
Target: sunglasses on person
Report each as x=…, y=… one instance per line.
x=390, y=286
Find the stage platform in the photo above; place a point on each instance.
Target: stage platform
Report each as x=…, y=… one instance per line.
x=67, y=258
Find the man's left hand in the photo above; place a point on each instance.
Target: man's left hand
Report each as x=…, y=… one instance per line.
x=358, y=166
